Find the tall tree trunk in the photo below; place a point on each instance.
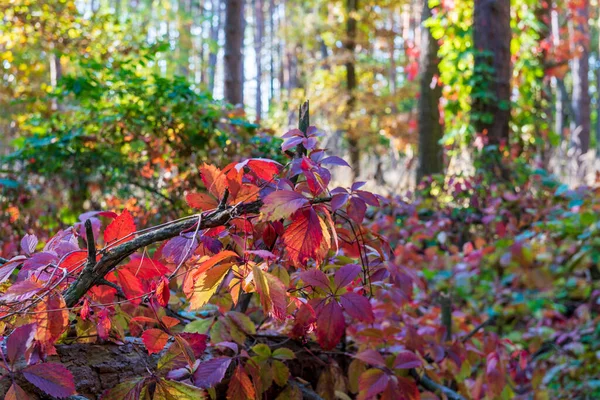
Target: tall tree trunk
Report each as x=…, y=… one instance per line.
x=184, y=25
x=431, y=153
x=215, y=28
x=559, y=109
x=491, y=36
x=580, y=125
x=234, y=62
x=393, y=79
x=350, y=45
x=272, y=50
x=259, y=33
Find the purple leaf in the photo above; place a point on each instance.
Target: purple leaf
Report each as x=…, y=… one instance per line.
x=345, y=275
x=357, y=185
x=7, y=269
x=28, y=244
x=52, y=378
x=357, y=209
x=20, y=291
x=334, y=160
x=338, y=200
x=368, y=197
x=292, y=133
x=357, y=306
x=211, y=372
x=19, y=341
x=179, y=248
x=371, y=357
x=406, y=360
x=292, y=142
x=316, y=278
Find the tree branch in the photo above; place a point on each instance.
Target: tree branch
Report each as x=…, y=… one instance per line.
x=482, y=325
x=433, y=386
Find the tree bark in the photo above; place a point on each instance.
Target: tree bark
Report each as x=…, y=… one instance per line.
x=580, y=125
x=259, y=33
x=215, y=28
x=431, y=152
x=234, y=62
x=350, y=45
x=185, y=37
x=491, y=36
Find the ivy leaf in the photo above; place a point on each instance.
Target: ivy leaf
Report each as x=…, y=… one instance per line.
x=345, y=275
x=306, y=238
x=282, y=203
x=15, y=392
x=211, y=372
x=357, y=306
x=19, y=341
x=371, y=383
x=330, y=325
x=120, y=227
x=52, y=378
x=155, y=340
x=240, y=386
x=406, y=360
x=173, y=390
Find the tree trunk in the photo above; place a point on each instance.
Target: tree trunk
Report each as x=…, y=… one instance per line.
x=491, y=36
x=185, y=37
x=272, y=51
x=234, y=62
x=259, y=33
x=350, y=45
x=215, y=28
x=431, y=153
x=580, y=125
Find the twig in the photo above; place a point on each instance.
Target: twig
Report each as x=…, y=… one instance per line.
x=120, y=292
x=433, y=386
x=482, y=325
x=91, y=244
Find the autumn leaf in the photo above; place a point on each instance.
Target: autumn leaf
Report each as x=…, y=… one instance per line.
x=357, y=306
x=345, y=275
x=119, y=228
x=282, y=203
x=407, y=359
x=240, y=386
x=214, y=180
x=201, y=201
x=273, y=296
x=372, y=357
x=21, y=291
x=52, y=378
x=330, y=325
x=263, y=168
x=131, y=285
x=315, y=278
x=15, y=392
x=306, y=238
x=19, y=341
x=163, y=293
x=128, y=390
x=205, y=285
x=173, y=390
x=155, y=340
x=52, y=318
x=371, y=383
x=211, y=372
x=205, y=265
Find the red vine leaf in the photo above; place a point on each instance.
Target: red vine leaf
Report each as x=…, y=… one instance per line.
x=282, y=203
x=306, y=238
x=240, y=386
x=330, y=325
x=155, y=340
x=15, y=392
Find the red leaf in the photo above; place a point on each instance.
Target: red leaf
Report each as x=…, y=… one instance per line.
x=357, y=306
x=315, y=278
x=282, y=203
x=356, y=209
x=372, y=382
x=103, y=326
x=74, y=260
x=306, y=238
x=240, y=386
x=53, y=379
x=155, y=340
x=371, y=357
x=263, y=168
x=85, y=310
x=330, y=325
x=212, y=261
x=211, y=372
x=201, y=201
x=196, y=341
x=19, y=341
x=15, y=392
x=214, y=180
x=273, y=296
x=406, y=360
x=146, y=268
x=495, y=374
x=21, y=291
x=304, y=318
x=368, y=198
x=52, y=318
x=163, y=293
x=345, y=275
x=7, y=269
x=120, y=227
x=131, y=285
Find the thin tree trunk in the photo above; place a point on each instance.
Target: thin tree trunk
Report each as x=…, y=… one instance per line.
x=393, y=80
x=580, y=125
x=431, y=153
x=234, y=40
x=491, y=36
x=272, y=51
x=259, y=33
x=215, y=28
x=185, y=37
x=350, y=45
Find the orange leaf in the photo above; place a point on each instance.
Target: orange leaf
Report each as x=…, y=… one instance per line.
x=155, y=340
x=212, y=261
x=307, y=237
x=240, y=386
x=214, y=180
x=201, y=201
x=131, y=285
x=120, y=227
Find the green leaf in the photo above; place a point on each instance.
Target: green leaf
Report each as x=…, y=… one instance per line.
x=283, y=353
x=262, y=350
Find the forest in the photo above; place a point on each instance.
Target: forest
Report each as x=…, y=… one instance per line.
x=299, y=199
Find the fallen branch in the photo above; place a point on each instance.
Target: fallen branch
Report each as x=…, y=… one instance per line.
x=433, y=386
